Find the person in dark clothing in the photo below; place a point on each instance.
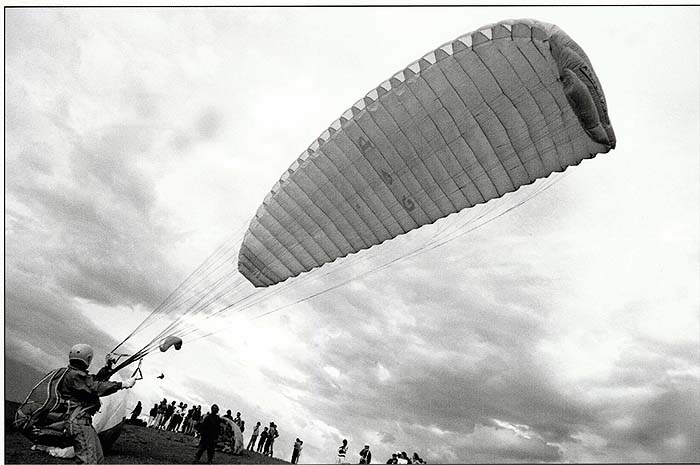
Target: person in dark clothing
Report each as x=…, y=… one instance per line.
x=298, y=446
x=106, y=372
x=169, y=410
x=82, y=393
x=174, y=422
x=196, y=419
x=187, y=421
x=152, y=415
x=263, y=440
x=136, y=412
x=365, y=455
x=209, y=431
x=342, y=452
x=272, y=434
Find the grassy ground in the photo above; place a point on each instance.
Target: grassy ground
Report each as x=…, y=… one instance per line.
x=136, y=444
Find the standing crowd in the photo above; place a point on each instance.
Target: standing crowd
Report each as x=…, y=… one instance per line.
x=213, y=431
x=266, y=439
x=365, y=454
x=178, y=418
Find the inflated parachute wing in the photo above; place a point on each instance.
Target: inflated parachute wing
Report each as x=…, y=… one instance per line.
x=477, y=118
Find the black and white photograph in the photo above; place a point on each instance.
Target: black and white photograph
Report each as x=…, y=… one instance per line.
x=312, y=233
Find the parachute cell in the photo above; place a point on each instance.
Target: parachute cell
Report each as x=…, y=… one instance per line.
x=169, y=342
x=477, y=118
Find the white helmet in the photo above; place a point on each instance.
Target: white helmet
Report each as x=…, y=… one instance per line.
x=82, y=352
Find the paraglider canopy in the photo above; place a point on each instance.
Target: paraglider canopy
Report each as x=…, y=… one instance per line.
x=169, y=342
x=469, y=122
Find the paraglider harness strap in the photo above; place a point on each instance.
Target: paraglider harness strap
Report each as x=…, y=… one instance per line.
x=36, y=424
x=137, y=371
x=76, y=412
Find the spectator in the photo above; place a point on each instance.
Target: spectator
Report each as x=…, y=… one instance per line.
x=365, y=455
x=394, y=458
x=196, y=420
x=162, y=408
x=228, y=415
x=417, y=459
x=182, y=411
x=342, y=452
x=209, y=433
x=136, y=412
x=238, y=420
x=187, y=421
x=272, y=434
x=263, y=440
x=296, y=452
x=171, y=409
x=174, y=421
x=254, y=437
x=152, y=416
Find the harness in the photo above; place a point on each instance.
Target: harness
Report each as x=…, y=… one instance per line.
x=44, y=414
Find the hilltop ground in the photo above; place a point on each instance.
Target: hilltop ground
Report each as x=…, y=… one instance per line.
x=136, y=444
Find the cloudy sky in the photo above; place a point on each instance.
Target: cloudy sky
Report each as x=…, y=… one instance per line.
x=138, y=140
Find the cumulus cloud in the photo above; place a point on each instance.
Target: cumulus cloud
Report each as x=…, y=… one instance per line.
x=83, y=189
x=472, y=368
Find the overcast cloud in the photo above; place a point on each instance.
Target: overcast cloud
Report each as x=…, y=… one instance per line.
x=137, y=140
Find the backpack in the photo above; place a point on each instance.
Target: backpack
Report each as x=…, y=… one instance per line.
x=42, y=415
